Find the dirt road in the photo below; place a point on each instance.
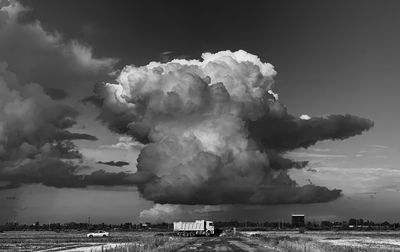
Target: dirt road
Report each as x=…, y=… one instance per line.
x=231, y=244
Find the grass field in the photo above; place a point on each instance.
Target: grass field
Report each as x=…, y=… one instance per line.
x=150, y=241
x=77, y=241
x=329, y=241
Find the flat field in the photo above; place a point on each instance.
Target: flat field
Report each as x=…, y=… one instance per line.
x=77, y=241
x=271, y=241
x=329, y=241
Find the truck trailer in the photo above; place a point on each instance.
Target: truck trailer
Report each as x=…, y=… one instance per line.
x=196, y=228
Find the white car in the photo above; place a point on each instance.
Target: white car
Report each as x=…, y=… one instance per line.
x=99, y=233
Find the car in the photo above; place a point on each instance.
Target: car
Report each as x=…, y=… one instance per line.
x=99, y=233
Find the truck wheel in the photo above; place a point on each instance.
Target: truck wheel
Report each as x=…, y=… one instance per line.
x=90, y=236
x=208, y=233
x=104, y=235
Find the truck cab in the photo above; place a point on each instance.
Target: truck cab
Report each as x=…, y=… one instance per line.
x=209, y=228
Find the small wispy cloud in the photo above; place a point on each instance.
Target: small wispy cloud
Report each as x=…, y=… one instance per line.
x=311, y=170
x=320, y=149
x=114, y=163
x=373, y=150
x=296, y=154
x=305, y=117
x=377, y=146
x=124, y=143
x=368, y=180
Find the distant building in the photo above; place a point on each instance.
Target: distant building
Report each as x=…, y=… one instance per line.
x=298, y=220
x=326, y=224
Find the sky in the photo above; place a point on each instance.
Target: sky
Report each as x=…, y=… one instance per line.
x=89, y=127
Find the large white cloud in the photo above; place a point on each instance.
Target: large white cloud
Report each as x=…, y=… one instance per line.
x=214, y=131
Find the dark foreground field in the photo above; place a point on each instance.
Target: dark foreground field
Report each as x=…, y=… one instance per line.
x=245, y=241
x=227, y=244
x=77, y=241
x=328, y=241
x=132, y=242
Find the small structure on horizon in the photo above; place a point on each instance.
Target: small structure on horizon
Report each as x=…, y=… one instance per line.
x=298, y=220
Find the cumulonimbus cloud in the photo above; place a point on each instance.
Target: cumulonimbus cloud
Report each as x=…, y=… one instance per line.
x=214, y=131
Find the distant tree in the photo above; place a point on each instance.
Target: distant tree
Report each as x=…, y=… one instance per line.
x=353, y=222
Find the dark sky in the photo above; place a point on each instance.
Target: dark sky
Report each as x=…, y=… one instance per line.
x=332, y=57
x=342, y=51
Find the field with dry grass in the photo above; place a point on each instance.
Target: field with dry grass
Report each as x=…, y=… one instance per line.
x=77, y=242
x=290, y=241
x=328, y=241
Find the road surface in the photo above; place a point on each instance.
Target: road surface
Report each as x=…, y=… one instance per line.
x=231, y=244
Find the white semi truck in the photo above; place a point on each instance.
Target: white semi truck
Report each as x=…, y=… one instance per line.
x=196, y=228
